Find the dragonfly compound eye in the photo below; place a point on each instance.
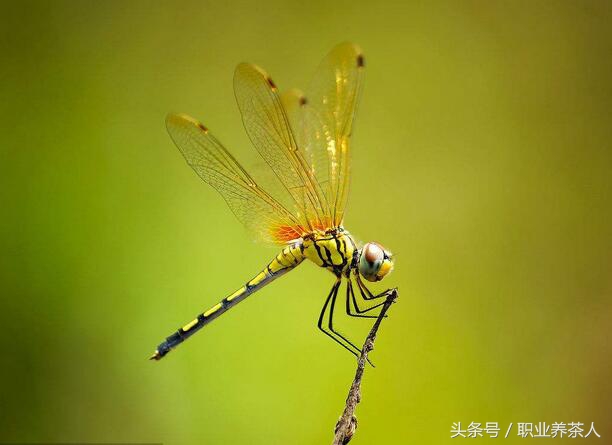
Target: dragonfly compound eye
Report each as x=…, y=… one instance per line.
x=374, y=262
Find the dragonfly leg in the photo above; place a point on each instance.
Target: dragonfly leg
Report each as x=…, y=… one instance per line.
x=331, y=299
x=350, y=297
x=365, y=292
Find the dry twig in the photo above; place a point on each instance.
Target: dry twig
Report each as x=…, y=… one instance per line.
x=346, y=426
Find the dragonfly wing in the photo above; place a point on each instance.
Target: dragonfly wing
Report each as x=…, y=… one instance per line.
x=307, y=127
x=264, y=216
x=267, y=124
x=327, y=117
x=293, y=102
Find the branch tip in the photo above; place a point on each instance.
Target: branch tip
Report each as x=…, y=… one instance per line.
x=347, y=424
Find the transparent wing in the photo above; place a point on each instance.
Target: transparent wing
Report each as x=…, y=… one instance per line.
x=305, y=131
x=294, y=102
x=326, y=123
x=267, y=124
x=264, y=216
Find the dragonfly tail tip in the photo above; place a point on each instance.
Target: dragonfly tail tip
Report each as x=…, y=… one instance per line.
x=156, y=356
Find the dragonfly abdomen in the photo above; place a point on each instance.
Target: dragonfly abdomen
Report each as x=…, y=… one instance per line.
x=286, y=260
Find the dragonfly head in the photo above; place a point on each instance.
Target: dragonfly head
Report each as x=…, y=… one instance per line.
x=374, y=262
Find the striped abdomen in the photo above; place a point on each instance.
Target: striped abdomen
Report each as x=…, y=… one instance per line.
x=286, y=260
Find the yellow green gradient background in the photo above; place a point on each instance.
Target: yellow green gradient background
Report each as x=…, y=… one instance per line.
x=482, y=158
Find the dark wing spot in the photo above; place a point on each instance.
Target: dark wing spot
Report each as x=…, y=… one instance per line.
x=303, y=101
x=360, y=61
x=271, y=83
x=202, y=127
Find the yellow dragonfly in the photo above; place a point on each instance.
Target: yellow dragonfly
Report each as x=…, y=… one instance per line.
x=305, y=140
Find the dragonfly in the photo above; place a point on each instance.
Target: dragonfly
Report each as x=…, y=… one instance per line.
x=300, y=205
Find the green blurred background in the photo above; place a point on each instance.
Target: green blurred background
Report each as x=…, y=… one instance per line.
x=482, y=159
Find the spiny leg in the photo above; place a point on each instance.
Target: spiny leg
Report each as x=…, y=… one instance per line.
x=350, y=296
x=331, y=322
x=364, y=290
x=331, y=298
x=331, y=325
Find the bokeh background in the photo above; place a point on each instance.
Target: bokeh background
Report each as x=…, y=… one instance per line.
x=482, y=159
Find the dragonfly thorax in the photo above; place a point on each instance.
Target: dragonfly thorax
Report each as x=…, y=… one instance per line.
x=334, y=249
